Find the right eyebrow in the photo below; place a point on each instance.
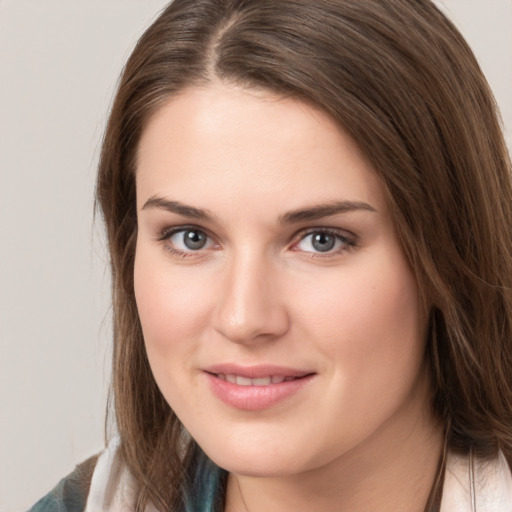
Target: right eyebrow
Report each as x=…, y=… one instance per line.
x=320, y=211
x=179, y=208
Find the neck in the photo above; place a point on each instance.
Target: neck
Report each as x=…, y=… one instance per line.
x=394, y=471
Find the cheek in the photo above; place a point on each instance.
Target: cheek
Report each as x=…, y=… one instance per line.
x=172, y=305
x=367, y=318
x=370, y=331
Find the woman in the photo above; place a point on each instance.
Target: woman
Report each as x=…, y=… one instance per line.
x=308, y=213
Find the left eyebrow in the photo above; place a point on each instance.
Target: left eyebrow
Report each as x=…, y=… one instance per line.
x=324, y=210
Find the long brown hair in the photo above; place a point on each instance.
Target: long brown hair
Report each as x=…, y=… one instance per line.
x=401, y=80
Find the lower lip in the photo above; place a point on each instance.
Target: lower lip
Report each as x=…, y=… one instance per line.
x=254, y=398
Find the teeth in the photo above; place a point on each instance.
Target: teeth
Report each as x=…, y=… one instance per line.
x=243, y=381
x=261, y=381
x=231, y=378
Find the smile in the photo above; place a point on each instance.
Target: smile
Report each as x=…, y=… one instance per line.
x=240, y=380
x=255, y=388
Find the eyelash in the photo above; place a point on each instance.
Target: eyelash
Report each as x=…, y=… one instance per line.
x=167, y=233
x=349, y=242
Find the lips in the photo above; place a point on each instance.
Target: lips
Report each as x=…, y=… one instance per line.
x=256, y=371
x=256, y=387
x=261, y=381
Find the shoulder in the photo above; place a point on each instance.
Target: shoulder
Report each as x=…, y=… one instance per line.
x=70, y=494
x=113, y=487
x=105, y=483
x=100, y=483
x=475, y=484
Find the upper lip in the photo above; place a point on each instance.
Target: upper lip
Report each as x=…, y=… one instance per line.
x=257, y=371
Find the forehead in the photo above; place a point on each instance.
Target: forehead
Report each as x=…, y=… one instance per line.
x=250, y=148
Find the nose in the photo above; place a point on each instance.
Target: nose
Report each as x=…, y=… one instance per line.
x=250, y=305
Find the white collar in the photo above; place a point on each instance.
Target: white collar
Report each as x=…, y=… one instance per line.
x=473, y=485
x=112, y=486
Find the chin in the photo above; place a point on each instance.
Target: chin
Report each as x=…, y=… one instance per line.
x=261, y=467
x=258, y=459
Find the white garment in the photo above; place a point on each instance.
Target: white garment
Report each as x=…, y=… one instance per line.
x=477, y=487
x=112, y=485
x=468, y=487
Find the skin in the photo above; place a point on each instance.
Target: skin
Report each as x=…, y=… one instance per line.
x=359, y=435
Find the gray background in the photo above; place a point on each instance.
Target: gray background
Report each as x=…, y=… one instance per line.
x=59, y=62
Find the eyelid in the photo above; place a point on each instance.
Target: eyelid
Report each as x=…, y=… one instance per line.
x=343, y=233
x=348, y=238
x=165, y=234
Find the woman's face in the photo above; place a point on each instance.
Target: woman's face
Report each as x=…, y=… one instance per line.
x=280, y=316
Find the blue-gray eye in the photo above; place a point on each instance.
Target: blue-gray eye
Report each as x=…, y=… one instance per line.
x=322, y=242
x=194, y=239
x=189, y=240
